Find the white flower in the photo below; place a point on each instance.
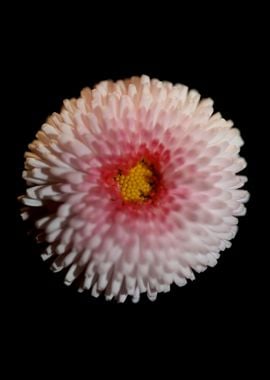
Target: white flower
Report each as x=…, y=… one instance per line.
x=135, y=187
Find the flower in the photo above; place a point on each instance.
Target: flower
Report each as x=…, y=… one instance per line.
x=133, y=187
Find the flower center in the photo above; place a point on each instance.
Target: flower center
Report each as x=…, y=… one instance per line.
x=138, y=184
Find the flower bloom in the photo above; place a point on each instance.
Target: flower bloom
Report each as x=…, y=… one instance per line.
x=134, y=186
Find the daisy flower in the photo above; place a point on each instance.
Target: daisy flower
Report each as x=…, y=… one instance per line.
x=134, y=187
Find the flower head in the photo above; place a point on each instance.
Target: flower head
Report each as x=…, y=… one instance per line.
x=133, y=187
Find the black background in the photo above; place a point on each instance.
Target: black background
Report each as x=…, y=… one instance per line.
x=56, y=63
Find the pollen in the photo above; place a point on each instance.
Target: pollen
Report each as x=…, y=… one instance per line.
x=138, y=184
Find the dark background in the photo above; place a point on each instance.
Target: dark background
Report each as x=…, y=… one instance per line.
x=56, y=64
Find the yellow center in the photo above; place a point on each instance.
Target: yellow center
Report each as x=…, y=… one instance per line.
x=137, y=185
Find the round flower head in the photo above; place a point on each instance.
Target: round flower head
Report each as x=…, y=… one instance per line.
x=133, y=187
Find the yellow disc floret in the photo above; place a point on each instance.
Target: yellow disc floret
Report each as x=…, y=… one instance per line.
x=137, y=185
